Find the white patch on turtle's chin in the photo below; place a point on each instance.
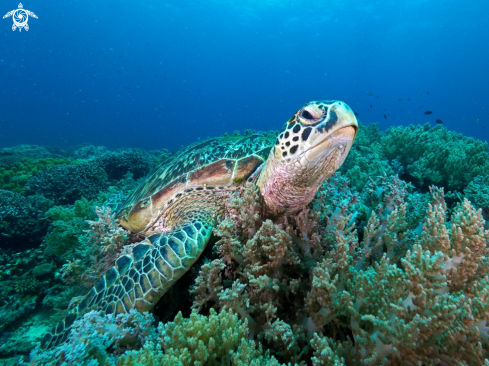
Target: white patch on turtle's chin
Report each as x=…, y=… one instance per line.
x=339, y=141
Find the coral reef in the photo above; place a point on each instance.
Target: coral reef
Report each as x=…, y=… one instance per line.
x=14, y=177
x=118, y=163
x=70, y=245
x=363, y=163
x=22, y=221
x=381, y=268
x=81, y=243
x=96, y=251
x=89, y=152
x=130, y=339
x=401, y=295
x=377, y=277
x=477, y=192
x=23, y=277
x=87, y=239
x=68, y=225
x=29, y=151
x=435, y=155
x=68, y=183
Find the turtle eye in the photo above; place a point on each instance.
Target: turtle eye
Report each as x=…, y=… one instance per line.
x=306, y=114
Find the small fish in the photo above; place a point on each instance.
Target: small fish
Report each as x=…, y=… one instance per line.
x=370, y=94
x=400, y=99
x=356, y=114
x=385, y=117
x=409, y=98
x=370, y=105
x=428, y=112
x=477, y=120
x=439, y=121
x=428, y=93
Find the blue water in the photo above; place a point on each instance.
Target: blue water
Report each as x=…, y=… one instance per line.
x=161, y=74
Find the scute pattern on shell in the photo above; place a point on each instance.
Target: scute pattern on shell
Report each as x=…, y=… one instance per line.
x=198, y=158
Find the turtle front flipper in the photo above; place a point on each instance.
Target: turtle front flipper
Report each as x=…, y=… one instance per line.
x=140, y=278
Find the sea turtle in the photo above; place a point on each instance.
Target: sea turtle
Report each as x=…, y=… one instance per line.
x=177, y=205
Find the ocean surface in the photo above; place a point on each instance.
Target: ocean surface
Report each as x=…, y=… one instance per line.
x=161, y=74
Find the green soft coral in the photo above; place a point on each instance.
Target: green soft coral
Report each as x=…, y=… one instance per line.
x=15, y=178
x=435, y=155
x=104, y=340
x=363, y=163
x=477, y=192
x=69, y=223
x=210, y=340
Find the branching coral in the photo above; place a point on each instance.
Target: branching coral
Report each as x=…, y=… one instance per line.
x=89, y=152
x=87, y=239
x=89, y=246
x=96, y=339
x=103, y=244
x=404, y=294
x=217, y=339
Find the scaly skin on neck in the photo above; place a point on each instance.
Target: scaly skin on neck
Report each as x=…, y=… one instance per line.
x=279, y=192
x=310, y=148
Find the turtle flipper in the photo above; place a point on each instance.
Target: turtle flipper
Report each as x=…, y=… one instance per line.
x=31, y=14
x=140, y=278
x=9, y=14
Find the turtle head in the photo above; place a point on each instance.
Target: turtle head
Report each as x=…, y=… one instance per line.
x=311, y=146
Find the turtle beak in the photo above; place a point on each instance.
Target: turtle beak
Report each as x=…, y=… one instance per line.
x=337, y=137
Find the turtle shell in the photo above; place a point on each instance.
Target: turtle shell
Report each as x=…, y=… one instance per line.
x=215, y=163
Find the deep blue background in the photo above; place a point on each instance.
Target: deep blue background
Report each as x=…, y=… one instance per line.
x=161, y=74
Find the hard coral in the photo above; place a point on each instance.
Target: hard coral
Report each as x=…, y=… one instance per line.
x=89, y=152
x=118, y=163
x=68, y=183
x=21, y=285
x=22, y=223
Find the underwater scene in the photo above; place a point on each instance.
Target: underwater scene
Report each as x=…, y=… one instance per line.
x=257, y=182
